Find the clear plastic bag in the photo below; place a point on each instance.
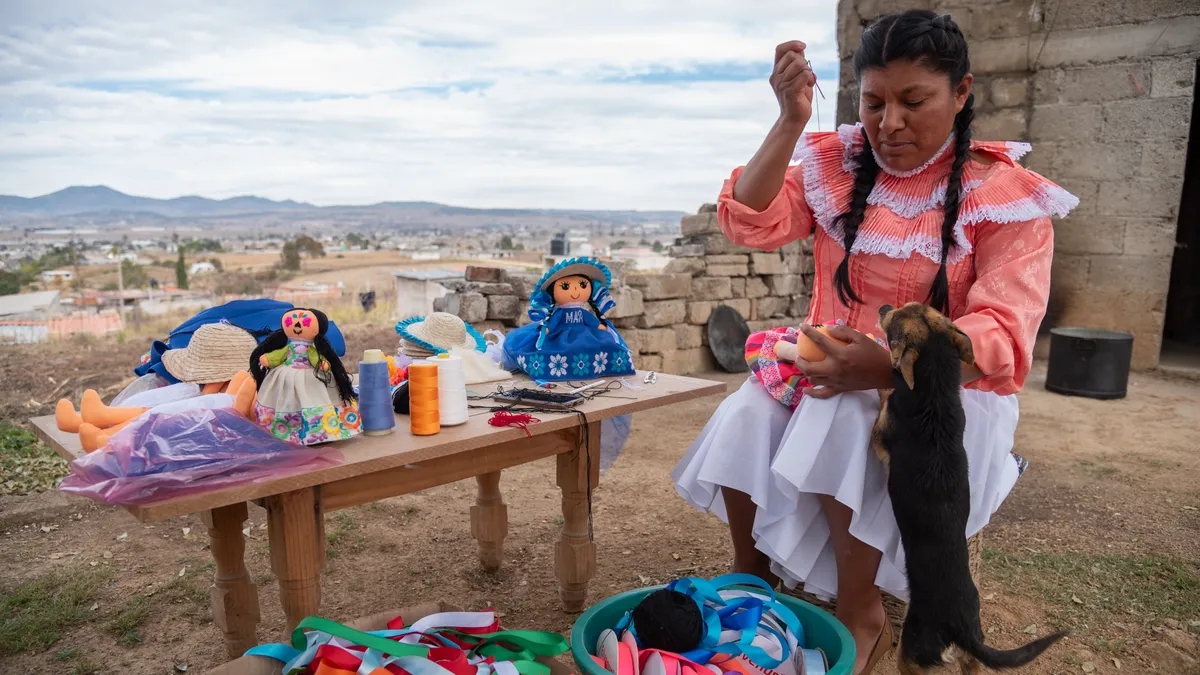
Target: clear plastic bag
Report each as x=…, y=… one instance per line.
x=169, y=454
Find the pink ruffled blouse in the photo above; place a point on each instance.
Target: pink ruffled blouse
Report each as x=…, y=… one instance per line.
x=999, y=270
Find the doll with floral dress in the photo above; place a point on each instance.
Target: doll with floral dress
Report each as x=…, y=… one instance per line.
x=304, y=394
x=569, y=338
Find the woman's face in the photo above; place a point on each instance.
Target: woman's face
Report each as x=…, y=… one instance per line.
x=301, y=324
x=569, y=290
x=908, y=111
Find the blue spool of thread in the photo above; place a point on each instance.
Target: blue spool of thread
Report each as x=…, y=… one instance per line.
x=375, y=395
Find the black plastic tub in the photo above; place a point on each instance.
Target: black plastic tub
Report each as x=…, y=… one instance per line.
x=1089, y=362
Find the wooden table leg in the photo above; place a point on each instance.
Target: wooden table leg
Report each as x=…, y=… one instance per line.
x=575, y=555
x=296, y=529
x=234, y=597
x=489, y=521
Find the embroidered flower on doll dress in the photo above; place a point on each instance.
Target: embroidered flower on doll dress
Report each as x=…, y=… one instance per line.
x=558, y=365
x=580, y=365
x=618, y=360
x=600, y=362
x=522, y=363
x=537, y=365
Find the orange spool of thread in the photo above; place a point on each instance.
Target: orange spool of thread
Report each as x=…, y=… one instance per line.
x=423, y=414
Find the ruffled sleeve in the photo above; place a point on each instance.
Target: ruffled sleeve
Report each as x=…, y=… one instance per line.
x=1007, y=302
x=786, y=219
x=790, y=215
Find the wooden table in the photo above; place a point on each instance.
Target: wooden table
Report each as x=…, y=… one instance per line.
x=377, y=467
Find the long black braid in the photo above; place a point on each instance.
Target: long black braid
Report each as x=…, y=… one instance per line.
x=939, y=294
x=865, y=171
x=937, y=42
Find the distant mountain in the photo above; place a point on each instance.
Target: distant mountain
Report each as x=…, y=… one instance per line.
x=100, y=200
x=78, y=200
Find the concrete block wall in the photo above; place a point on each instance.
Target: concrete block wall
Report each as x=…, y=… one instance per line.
x=663, y=316
x=1104, y=92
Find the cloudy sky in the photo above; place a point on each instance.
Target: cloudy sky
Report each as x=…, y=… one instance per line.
x=519, y=103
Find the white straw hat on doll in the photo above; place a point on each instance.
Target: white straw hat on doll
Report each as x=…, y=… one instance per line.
x=440, y=332
x=215, y=352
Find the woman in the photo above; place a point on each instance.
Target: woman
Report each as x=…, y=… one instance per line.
x=927, y=215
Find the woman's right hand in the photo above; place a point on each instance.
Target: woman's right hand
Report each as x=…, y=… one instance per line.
x=793, y=81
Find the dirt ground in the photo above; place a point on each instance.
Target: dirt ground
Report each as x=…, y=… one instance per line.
x=1101, y=535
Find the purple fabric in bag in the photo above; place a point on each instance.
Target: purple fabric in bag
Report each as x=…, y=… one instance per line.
x=164, y=455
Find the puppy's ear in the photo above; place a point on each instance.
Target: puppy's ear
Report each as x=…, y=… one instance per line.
x=963, y=344
x=903, y=359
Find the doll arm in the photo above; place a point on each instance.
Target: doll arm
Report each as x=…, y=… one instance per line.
x=276, y=358
x=315, y=360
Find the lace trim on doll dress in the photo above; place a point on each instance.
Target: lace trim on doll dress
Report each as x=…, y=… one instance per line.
x=1003, y=192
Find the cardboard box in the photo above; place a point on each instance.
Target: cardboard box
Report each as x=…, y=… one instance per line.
x=261, y=665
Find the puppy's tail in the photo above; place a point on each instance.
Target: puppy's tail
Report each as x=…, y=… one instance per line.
x=999, y=659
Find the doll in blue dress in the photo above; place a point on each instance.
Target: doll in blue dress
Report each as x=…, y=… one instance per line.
x=569, y=338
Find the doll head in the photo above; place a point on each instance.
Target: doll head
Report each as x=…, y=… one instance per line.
x=572, y=289
x=304, y=324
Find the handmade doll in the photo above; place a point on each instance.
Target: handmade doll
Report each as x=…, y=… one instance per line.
x=304, y=394
x=772, y=356
x=569, y=338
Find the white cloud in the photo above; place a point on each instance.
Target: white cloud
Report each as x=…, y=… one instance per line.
x=521, y=103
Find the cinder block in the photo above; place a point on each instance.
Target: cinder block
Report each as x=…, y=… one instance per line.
x=1150, y=236
x=1140, y=197
x=1173, y=77
x=1090, y=235
x=687, y=336
x=1065, y=122
x=755, y=288
x=662, y=313
x=1000, y=55
x=1002, y=125
x=1160, y=118
x=1008, y=92
x=661, y=286
x=766, y=263
x=1164, y=159
x=703, y=223
x=711, y=288
x=1112, y=43
x=1091, y=84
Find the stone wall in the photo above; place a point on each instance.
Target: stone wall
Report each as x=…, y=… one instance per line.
x=1104, y=92
x=663, y=316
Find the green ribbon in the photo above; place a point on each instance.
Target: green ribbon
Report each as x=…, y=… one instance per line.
x=529, y=644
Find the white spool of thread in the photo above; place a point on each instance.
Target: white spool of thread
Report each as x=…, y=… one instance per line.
x=452, y=389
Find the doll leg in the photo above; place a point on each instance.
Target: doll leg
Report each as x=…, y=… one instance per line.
x=94, y=412
x=213, y=388
x=68, y=420
x=235, y=382
x=244, y=401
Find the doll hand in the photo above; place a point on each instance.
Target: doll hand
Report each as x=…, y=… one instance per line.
x=262, y=361
x=325, y=366
x=603, y=327
x=787, y=351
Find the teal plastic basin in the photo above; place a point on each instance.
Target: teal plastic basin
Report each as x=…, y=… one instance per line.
x=821, y=630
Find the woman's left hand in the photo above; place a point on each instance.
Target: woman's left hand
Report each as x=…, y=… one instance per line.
x=859, y=364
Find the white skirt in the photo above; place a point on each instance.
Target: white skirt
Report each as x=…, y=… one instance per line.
x=784, y=460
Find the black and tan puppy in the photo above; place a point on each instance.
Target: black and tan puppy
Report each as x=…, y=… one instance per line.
x=920, y=429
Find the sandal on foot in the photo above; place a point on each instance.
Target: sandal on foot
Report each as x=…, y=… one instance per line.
x=882, y=646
